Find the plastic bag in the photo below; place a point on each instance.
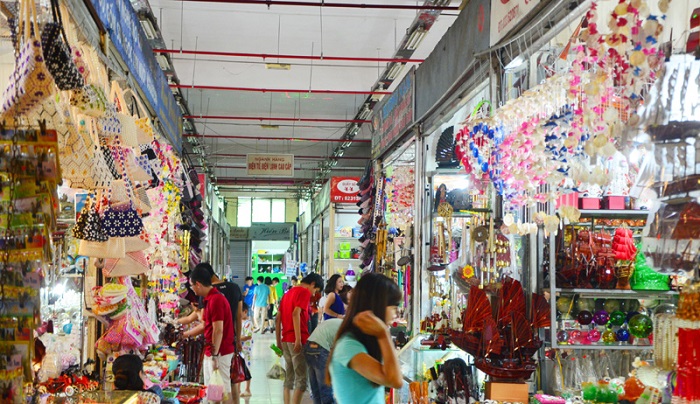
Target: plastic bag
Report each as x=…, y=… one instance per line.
x=277, y=371
x=215, y=388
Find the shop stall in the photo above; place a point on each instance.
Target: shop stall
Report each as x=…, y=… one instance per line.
x=95, y=267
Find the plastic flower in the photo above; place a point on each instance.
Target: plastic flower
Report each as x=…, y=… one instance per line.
x=468, y=271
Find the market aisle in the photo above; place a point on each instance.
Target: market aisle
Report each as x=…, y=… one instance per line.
x=264, y=390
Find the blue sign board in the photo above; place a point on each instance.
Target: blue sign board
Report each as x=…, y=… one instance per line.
x=122, y=24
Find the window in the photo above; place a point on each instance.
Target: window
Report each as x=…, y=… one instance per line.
x=244, y=210
x=260, y=210
x=278, y=211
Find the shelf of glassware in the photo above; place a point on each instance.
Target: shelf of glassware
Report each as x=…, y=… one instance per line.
x=615, y=346
x=618, y=293
x=414, y=357
x=614, y=214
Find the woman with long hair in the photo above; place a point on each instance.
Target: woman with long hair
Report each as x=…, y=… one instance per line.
x=334, y=307
x=363, y=360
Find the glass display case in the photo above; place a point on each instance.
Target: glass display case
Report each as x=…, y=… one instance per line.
x=415, y=358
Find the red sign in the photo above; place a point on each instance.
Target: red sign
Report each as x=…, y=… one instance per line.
x=344, y=189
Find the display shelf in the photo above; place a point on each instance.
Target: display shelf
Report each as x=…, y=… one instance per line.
x=612, y=293
x=269, y=262
x=613, y=214
x=615, y=346
x=346, y=259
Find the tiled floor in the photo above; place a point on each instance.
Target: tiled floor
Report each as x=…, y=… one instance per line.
x=265, y=390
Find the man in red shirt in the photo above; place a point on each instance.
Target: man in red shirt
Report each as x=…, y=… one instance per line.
x=292, y=330
x=217, y=327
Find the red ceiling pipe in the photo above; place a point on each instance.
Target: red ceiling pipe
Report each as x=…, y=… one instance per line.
x=295, y=156
x=279, y=90
x=259, y=181
x=273, y=138
x=331, y=5
x=263, y=119
x=265, y=56
x=243, y=166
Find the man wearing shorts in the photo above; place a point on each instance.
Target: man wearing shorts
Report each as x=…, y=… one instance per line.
x=292, y=332
x=217, y=326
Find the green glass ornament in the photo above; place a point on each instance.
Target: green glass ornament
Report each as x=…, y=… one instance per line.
x=644, y=277
x=617, y=318
x=641, y=326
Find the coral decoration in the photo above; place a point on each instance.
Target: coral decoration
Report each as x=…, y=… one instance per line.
x=623, y=245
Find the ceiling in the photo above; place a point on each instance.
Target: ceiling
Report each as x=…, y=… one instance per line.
x=230, y=124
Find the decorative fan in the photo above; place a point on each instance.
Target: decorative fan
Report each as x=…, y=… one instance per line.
x=478, y=309
x=511, y=300
x=540, y=312
x=522, y=332
x=445, y=151
x=490, y=338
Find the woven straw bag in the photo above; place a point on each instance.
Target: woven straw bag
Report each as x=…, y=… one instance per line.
x=30, y=83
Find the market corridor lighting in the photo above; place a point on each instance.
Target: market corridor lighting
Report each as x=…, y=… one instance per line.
x=394, y=71
x=415, y=39
x=163, y=62
x=278, y=66
x=148, y=29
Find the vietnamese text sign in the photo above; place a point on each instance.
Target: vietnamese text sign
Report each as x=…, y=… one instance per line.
x=344, y=189
x=393, y=116
x=506, y=14
x=125, y=31
x=270, y=165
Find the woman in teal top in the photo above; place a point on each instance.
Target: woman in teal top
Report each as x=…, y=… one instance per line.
x=363, y=360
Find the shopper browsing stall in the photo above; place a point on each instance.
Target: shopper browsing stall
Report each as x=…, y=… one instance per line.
x=292, y=333
x=128, y=375
x=316, y=352
x=334, y=306
x=217, y=327
x=363, y=360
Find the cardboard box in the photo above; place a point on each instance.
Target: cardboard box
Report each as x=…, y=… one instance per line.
x=589, y=203
x=614, y=202
x=508, y=392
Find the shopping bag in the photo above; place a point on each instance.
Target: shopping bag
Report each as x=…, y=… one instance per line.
x=215, y=388
x=239, y=370
x=277, y=371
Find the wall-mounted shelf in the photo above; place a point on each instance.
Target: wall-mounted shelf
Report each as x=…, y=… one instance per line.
x=614, y=214
x=622, y=294
x=615, y=346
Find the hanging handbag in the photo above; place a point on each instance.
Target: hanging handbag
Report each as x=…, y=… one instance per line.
x=144, y=127
x=82, y=161
x=133, y=263
x=91, y=224
x=90, y=100
x=239, y=370
x=122, y=221
x=30, y=82
x=127, y=124
x=137, y=243
x=57, y=53
x=112, y=248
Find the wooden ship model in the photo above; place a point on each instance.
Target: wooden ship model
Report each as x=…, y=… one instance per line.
x=502, y=341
